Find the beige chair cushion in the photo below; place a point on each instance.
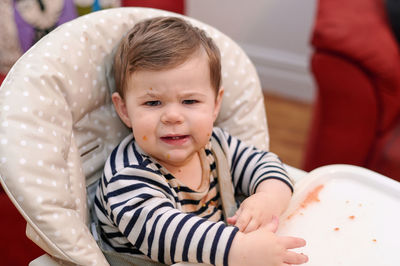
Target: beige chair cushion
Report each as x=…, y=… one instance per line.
x=57, y=124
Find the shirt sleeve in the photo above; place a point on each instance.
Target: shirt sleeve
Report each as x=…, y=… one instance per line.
x=143, y=207
x=250, y=166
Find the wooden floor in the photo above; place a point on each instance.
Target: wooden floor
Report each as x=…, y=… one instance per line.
x=288, y=123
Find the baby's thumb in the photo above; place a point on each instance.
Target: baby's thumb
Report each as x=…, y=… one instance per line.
x=232, y=220
x=273, y=225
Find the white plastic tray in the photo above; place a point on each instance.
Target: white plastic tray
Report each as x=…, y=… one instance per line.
x=353, y=217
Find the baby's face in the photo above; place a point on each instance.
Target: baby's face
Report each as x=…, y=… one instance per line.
x=172, y=112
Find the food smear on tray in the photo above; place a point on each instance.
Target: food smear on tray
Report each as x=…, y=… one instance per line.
x=312, y=196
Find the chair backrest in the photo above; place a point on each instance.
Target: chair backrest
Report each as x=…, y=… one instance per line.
x=58, y=125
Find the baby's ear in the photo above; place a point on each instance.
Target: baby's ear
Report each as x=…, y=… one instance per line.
x=121, y=109
x=218, y=102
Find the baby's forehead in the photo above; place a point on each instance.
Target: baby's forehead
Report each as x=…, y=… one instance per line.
x=197, y=62
x=147, y=87
x=193, y=72
x=174, y=62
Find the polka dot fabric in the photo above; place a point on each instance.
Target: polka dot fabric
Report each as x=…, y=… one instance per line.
x=57, y=124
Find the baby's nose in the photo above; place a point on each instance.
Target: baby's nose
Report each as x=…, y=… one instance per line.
x=172, y=115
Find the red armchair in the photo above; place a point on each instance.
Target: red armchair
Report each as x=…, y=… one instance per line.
x=177, y=6
x=356, y=67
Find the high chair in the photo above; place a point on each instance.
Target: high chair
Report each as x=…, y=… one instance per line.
x=58, y=125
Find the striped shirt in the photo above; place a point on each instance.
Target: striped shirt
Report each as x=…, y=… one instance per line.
x=143, y=209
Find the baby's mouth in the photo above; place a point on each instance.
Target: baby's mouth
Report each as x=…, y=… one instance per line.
x=175, y=139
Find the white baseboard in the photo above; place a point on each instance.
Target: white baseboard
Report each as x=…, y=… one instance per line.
x=283, y=73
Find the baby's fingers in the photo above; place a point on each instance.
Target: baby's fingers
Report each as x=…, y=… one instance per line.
x=232, y=220
x=273, y=225
x=243, y=220
x=251, y=226
x=290, y=242
x=292, y=257
x=295, y=258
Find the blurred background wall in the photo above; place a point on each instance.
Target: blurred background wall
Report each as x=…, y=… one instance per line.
x=274, y=33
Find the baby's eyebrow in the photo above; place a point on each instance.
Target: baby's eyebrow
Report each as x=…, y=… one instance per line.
x=191, y=94
x=149, y=94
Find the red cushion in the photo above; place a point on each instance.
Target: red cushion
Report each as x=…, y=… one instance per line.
x=177, y=6
x=2, y=77
x=15, y=247
x=386, y=156
x=358, y=31
x=344, y=122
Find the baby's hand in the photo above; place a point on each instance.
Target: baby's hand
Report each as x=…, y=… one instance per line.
x=257, y=210
x=262, y=247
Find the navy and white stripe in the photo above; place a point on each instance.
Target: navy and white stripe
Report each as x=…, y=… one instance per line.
x=143, y=209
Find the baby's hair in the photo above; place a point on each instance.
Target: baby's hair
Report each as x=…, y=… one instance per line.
x=162, y=43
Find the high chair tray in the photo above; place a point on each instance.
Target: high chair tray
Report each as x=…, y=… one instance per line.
x=348, y=215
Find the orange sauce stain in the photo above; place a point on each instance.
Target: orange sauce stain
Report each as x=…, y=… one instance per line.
x=312, y=196
x=374, y=240
x=352, y=217
x=144, y=138
x=336, y=229
x=151, y=89
x=290, y=216
x=168, y=156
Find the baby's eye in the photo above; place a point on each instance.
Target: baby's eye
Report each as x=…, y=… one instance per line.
x=152, y=103
x=190, y=101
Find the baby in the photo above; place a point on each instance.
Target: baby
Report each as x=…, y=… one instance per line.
x=159, y=195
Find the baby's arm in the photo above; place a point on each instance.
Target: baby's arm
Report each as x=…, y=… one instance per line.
x=270, y=200
x=141, y=205
x=262, y=247
x=261, y=176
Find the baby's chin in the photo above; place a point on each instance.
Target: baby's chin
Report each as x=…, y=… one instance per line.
x=175, y=159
